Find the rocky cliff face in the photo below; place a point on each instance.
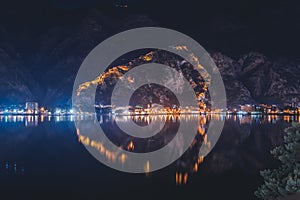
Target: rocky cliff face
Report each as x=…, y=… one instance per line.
x=60, y=51
x=152, y=93
x=256, y=78
x=236, y=91
x=270, y=81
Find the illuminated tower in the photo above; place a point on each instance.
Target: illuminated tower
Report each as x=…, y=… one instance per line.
x=32, y=108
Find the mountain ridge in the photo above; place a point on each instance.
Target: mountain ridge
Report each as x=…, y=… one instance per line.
x=48, y=73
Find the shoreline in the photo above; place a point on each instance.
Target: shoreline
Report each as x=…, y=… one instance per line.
x=153, y=114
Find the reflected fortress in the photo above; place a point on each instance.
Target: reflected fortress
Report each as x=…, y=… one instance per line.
x=190, y=162
x=187, y=164
x=242, y=150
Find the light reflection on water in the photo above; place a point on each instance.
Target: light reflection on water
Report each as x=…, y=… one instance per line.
x=31, y=121
x=35, y=120
x=245, y=144
x=192, y=158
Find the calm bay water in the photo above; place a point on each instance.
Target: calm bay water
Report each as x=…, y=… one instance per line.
x=44, y=158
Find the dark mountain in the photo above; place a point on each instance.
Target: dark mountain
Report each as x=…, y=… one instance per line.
x=236, y=91
x=46, y=73
x=64, y=48
x=271, y=81
x=17, y=84
x=256, y=78
x=251, y=79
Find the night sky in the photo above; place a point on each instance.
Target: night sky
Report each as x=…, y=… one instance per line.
x=233, y=27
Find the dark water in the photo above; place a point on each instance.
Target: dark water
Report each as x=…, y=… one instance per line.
x=45, y=159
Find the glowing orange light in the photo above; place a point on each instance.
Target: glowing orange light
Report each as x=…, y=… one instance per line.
x=130, y=146
x=147, y=167
x=123, y=67
x=185, y=178
x=122, y=158
x=100, y=79
x=195, y=169
x=200, y=159
x=148, y=57
x=181, y=48
x=130, y=79
x=201, y=130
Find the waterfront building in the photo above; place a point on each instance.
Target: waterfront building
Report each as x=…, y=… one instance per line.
x=32, y=108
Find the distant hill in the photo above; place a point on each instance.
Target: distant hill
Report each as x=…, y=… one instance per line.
x=46, y=73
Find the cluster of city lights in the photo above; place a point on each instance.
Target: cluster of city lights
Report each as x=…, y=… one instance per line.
x=32, y=108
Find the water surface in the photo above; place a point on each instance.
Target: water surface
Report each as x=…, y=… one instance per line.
x=45, y=158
